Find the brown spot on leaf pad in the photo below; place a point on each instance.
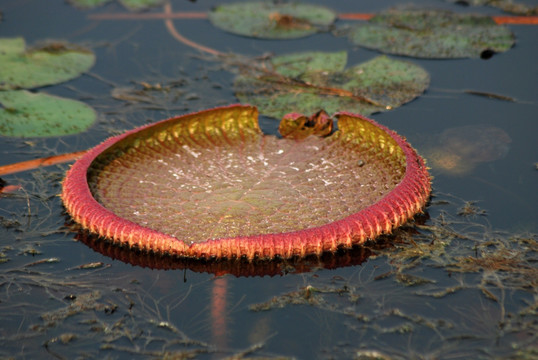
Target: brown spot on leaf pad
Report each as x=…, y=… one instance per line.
x=210, y=184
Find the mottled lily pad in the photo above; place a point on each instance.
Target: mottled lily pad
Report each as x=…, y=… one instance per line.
x=137, y=5
x=271, y=20
x=211, y=184
x=133, y=5
x=308, y=82
x=25, y=114
x=510, y=6
x=88, y=4
x=457, y=151
x=51, y=63
x=432, y=34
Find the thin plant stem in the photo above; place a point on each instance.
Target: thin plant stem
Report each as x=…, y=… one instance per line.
x=41, y=162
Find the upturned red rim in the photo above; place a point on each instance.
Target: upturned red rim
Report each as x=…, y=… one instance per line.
x=406, y=199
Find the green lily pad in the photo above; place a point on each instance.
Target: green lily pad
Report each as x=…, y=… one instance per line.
x=52, y=63
x=508, y=6
x=432, y=34
x=270, y=20
x=26, y=114
x=137, y=5
x=300, y=83
x=88, y=4
x=133, y=5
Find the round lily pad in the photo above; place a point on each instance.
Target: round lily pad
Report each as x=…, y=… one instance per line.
x=211, y=184
x=432, y=34
x=25, y=114
x=137, y=5
x=88, y=4
x=510, y=6
x=51, y=63
x=271, y=20
x=312, y=81
x=133, y=5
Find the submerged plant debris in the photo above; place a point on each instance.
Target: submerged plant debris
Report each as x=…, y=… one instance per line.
x=396, y=297
x=433, y=34
x=302, y=82
x=457, y=151
x=272, y=19
x=405, y=295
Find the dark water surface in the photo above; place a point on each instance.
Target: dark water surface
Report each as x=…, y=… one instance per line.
x=461, y=286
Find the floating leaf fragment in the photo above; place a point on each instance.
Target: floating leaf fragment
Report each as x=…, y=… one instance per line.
x=432, y=34
x=50, y=63
x=300, y=83
x=272, y=20
x=27, y=114
x=490, y=95
x=44, y=261
x=210, y=184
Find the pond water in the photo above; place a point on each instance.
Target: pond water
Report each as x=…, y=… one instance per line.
x=460, y=283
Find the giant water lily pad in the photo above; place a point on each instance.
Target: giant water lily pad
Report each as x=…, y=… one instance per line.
x=271, y=20
x=432, y=34
x=311, y=81
x=25, y=114
x=51, y=63
x=210, y=184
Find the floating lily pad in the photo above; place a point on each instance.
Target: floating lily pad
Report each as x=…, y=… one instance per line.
x=51, y=63
x=457, y=151
x=137, y=5
x=25, y=114
x=271, y=20
x=88, y=4
x=133, y=5
x=211, y=184
x=432, y=34
x=308, y=82
x=510, y=6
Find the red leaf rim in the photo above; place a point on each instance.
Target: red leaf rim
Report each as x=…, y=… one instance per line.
x=393, y=210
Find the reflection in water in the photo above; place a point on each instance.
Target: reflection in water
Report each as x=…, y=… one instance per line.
x=219, y=311
x=236, y=267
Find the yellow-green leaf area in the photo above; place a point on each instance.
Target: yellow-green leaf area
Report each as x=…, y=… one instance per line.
x=51, y=63
x=88, y=4
x=272, y=20
x=432, y=34
x=136, y=5
x=25, y=114
x=301, y=83
x=216, y=175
